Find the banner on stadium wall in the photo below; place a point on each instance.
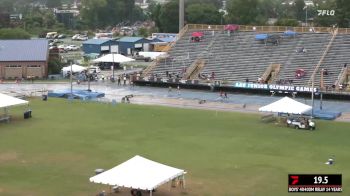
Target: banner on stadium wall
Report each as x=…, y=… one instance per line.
x=274, y=87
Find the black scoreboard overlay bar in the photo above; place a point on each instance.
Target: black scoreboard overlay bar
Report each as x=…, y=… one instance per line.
x=314, y=183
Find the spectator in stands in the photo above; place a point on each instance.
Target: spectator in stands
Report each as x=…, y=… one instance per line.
x=301, y=50
x=167, y=73
x=345, y=64
x=213, y=75
x=246, y=80
x=325, y=72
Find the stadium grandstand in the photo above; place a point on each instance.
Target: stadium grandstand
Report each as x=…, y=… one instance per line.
x=256, y=57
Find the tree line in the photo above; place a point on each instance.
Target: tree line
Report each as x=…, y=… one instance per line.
x=99, y=14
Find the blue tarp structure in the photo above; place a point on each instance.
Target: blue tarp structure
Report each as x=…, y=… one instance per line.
x=77, y=94
x=325, y=115
x=289, y=33
x=261, y=36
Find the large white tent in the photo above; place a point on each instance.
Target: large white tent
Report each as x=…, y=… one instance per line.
x=286, y=105
x=74, y=68
x=8, y=101
x=138, y=173
x=113, y=58
x=152, y=55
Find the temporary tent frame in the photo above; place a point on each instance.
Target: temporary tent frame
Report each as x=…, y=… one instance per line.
x=286, y=105
x=138, y=173
x=73, y=68
x=113, y=58
x=7, y=101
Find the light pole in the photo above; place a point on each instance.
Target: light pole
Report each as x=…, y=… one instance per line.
x=312, y=95
x=306, y=15
x=71, y=79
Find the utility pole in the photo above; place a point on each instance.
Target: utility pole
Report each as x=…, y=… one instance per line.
x=306, y=15
x=181, y=14
x=312, y=94
x=71, y=79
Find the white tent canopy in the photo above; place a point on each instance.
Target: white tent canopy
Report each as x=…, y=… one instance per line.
x=286, y=105
x=75, y=68
x=8, y=101
x=138, y=173
x=152, y=55
x=113, y=58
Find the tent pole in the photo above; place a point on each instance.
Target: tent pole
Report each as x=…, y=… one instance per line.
x=184, y=184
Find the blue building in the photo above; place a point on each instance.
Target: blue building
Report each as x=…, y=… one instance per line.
x=100, y=46
x=131, y=45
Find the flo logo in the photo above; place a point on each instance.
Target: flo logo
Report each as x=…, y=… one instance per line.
x=326, y=12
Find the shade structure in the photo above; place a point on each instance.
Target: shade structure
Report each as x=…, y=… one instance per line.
x=286, y=105
x=231, y=27
x=75, y=68
x=197, y=34
x=152, y=55
x=138, y=173
x=8, y=101
x=113, y=58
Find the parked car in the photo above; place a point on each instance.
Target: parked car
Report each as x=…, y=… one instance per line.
x=80, y=37
x=72, y=48
x=61, y=36
x=62, y=50
x=94, y=69
x=74, y=37
x=301, y=123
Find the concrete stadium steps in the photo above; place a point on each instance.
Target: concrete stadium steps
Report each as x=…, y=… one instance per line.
x=183, y=54
x=238, y=56
x=337, y=56
x=315, y=44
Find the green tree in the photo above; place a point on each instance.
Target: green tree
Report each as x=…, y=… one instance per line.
x=6, y=6
x=342, y=13
x=53, y=3
x=216, y=3
x=153, y=12
x=103, y=13
x=203, y=14
x=242, y=11
x=143, y=32
x=287, y=22
x=325, y=20
x=14, y=34
x=299, y=8
x=54, y=66
x=169, y=17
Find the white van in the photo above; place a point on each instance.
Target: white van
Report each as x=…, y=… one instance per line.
x=51, y=35
x=94, y=69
